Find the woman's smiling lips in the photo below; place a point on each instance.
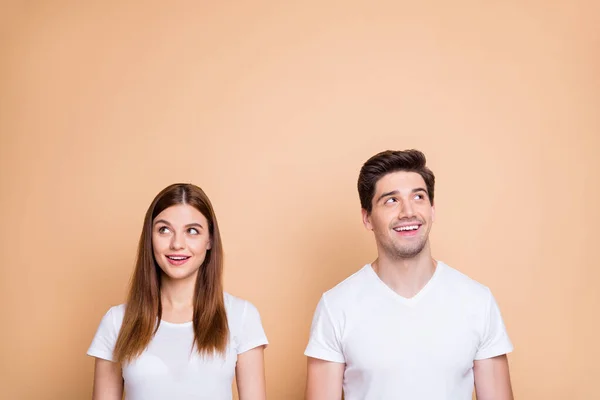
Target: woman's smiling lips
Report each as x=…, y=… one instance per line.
x=177, y=259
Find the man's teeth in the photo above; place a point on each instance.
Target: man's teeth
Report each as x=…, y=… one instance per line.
x=407, y=228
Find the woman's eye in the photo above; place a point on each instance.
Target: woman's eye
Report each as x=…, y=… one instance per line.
x=163, y=229
x=193, y=231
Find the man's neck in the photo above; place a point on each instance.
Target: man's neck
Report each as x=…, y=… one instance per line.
x=405, y=276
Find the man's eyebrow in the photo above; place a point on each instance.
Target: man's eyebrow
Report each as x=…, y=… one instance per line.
x=387, y=194
x=394, y=192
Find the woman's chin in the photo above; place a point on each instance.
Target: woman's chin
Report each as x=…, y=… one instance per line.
x=179, y=274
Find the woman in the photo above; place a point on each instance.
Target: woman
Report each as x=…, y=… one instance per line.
x=179, y=336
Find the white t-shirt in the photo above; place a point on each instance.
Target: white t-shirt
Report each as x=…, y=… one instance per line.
x=168, y=369
x=397, y=348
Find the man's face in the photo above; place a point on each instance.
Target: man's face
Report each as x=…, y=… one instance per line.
x=401, y=216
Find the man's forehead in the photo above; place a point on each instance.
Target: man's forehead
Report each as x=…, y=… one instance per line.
x=401, y=181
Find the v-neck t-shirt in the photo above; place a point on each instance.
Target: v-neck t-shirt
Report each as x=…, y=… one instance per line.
x=398, y=348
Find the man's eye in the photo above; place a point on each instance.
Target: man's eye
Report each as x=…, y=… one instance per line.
x=390, y=200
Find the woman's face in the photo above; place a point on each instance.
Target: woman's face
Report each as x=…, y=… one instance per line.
x=180, y=239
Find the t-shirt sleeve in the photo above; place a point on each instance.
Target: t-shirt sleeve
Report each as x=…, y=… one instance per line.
x=105, y=339
x=494, y=341
x=324, y=342
x=252, y=333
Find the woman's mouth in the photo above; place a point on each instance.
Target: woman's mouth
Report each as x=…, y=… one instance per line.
x=177, y=259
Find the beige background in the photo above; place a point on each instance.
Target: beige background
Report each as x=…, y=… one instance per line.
x=272, y=108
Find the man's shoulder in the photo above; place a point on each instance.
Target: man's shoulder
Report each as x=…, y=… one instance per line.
x=460, y=282
x=349, y=289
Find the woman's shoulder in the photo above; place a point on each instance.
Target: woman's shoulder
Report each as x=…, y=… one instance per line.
x=237, y=307
x=245, y=324
x=115, y=314
x=234, y=303
x=118, y=309
x=111, y=322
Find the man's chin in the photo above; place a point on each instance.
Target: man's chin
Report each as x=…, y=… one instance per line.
x=407, y=253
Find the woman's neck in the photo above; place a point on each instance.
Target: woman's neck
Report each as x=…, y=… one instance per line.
x=177, y=297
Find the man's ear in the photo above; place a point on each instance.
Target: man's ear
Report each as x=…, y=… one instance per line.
x=366, y=217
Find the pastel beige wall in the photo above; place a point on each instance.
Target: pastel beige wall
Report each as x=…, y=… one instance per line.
x=271, y=108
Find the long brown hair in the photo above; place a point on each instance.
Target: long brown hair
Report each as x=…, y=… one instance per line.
x=143, y=309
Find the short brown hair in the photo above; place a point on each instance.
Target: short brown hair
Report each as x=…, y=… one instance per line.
x=387, y=162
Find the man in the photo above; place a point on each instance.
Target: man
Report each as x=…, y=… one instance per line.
x=406, y=326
